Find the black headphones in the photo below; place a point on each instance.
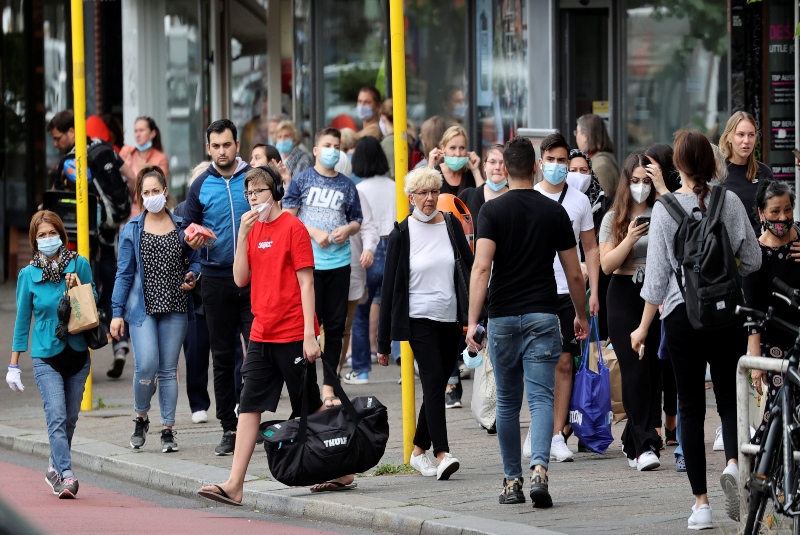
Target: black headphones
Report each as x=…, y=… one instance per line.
x=278, y=191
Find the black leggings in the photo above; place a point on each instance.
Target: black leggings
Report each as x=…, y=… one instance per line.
x=434, y=344
x=331, y=288
x=690, y=350
x=641, y=379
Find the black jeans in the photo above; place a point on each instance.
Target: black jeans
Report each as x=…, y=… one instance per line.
x=641, y=379
x=227, y=309
x=331, y=289
x=690, y=350
x=434, y=344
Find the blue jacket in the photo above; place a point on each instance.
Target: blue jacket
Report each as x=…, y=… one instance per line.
x=39, y=299
x=127, y=301
x=218, y=204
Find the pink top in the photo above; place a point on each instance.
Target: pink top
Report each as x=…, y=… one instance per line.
x=135, y=161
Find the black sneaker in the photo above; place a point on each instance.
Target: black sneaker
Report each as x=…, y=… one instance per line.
x=492, y=430
x=227, y=444
x=540, y=496
x=452, y=398
x=139, y=435
x=115, y=371
x=168, y=443
x=512, y=492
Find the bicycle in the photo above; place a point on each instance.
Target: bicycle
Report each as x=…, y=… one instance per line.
x=774, y=466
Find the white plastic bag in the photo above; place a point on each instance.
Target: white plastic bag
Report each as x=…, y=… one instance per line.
x=484, y=392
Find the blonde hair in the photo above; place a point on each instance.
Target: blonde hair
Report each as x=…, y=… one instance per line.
x=452, y=132
x=725, y=141
x=424, y=177
x=198, y=170
x=349, y=139
x=284, y=125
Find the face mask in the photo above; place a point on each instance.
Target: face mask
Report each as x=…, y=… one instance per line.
x=455, y=163
x=419, y=214
x=144, y=147
x=778, y=228
x=460, y=111
x=284, y=146
x=329, y=157
x=496, y=187
x=364, y=112
x=154, y=203
x=640, y=192
x=263, y=210
x=49, y=246
x=555, y=173
x=383, y=128
x=579, y=181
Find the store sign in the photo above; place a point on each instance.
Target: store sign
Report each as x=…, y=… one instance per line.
x=781, y=88
x=782, y=134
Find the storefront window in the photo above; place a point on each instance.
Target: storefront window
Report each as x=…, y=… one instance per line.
x=778, y=133
x=676, y=70
x=14, y=117
x=56, y=91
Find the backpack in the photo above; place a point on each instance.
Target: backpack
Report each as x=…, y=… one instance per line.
x=707, y=274
x=108, y=184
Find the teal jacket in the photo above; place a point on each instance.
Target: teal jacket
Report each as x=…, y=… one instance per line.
x=39, y=299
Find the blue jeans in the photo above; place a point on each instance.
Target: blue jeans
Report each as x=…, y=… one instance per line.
x=62, y=402
x=360, y=331
x=524, y=347
x=157, y=346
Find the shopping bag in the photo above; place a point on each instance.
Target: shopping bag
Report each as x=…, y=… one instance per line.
x=614, y=376
x=84, y=309
x=590, y=407
x=484, y=392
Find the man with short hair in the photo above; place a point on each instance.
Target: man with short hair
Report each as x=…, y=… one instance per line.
x=518, y=234
x=553, y=164
x=216, y=200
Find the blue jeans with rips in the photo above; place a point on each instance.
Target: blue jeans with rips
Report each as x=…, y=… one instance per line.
x=524, y=348
x=62, y=398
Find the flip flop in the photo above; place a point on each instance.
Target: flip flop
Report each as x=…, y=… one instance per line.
x=336, y=487
x=221, y=496
x=330, y=398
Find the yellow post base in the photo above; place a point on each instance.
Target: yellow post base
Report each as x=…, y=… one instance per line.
x=409, y=401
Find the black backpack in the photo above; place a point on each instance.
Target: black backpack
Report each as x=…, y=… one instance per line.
x=108, y=184
x=707, y=274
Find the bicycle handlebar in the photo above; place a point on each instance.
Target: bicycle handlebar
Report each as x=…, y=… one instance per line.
x=762, y=317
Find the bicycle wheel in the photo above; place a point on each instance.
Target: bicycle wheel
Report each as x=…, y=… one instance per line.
x=766, y=482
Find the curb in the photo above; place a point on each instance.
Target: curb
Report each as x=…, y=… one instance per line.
x=183, y=478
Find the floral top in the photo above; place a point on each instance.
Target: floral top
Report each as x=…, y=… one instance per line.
x=163, y=273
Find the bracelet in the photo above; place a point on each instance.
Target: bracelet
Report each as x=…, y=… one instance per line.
x=13, y=365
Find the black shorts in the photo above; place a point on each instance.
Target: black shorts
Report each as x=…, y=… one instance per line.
x=566, y=318
x=266, y=368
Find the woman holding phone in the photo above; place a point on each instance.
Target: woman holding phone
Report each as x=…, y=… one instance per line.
x=623, y=252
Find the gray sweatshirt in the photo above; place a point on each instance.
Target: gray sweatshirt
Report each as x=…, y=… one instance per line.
x=659, y=282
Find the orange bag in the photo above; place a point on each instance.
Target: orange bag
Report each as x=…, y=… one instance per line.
x=450, y=203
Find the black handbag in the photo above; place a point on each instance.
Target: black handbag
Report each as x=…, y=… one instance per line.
x=96, y=338
x=462, y=275
x=345, y=439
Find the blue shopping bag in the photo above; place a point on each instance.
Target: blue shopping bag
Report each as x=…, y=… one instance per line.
x=590, y=407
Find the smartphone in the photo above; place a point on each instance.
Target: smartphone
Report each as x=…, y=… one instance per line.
x=642, y=219
x=796, y=153
x=190, y=279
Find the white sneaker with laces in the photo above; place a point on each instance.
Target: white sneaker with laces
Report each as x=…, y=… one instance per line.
x=559, y=451
x=422, y=464
x=199, y=417
x=632, y=462
x=730, y=485
x=701, y=518
x=447, y=467
x=647, y=461
x=719, y=444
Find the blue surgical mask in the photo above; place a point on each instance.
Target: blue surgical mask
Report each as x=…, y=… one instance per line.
x=555, y=173
x=496, y=187
x=144, y=147
x=455, y=163
x=329, y=157
x=49, y=246
x=365, y=112
x=284, y=146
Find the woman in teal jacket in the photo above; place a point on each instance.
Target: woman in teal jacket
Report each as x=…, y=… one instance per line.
x=60, y=367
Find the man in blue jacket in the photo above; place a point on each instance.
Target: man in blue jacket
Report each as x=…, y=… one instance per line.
x=216, y=200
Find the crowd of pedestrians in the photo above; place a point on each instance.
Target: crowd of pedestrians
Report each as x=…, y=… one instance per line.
x=308, y=261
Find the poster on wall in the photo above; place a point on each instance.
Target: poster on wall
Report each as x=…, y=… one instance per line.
x=484, y=52
x=782, y=134
x=779, y=80
x=781, y=88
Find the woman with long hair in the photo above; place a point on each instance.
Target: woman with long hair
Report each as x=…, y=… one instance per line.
x=592, y=138
x=459, y=168
x=147, y=150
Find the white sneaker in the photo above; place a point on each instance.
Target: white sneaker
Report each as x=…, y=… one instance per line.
x=719, y=445
x=526, y=446
x=701, y=518
x=199, y=417
x=559, y=451
x=730, y=485
x=647, y=461
x=422, y=464
x=447, y=467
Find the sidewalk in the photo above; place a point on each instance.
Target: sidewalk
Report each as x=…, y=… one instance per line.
x=594, y=494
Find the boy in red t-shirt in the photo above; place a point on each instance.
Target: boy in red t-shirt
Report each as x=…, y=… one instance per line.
x=274, y=255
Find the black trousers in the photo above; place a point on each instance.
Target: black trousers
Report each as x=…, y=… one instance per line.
x=690, y=350
x=227, y=309
x=434, y=344
x=670, y=391
x=331, y=289
x=641, y=379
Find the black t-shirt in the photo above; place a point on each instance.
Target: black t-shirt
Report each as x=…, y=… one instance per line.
x=474, y=198
x=746, y=191
x=528, y=230
x=467, y=181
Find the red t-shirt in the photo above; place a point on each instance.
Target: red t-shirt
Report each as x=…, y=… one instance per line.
x=275, y=252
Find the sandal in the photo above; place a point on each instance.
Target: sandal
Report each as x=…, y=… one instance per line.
x=332, y=486
x=331, y=399
x=221, y=496
x=671, y=436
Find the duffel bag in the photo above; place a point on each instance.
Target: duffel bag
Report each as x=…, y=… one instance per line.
x=345, y=439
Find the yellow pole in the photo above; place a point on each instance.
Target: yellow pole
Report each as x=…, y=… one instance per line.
x=397, y=28
x=81, y=162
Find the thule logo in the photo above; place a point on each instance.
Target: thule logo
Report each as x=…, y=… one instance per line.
x=369, y=402
x=335, y=442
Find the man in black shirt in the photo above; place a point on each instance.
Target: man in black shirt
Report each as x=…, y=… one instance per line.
x=520, y=233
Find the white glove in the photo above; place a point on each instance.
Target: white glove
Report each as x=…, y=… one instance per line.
x=14, y=379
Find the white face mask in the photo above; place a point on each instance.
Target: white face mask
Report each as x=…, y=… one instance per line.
x=579, y=181
x=264, y=210
x=419, y=214
x=155, y=203
x=384, y=131
x=640, y=192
